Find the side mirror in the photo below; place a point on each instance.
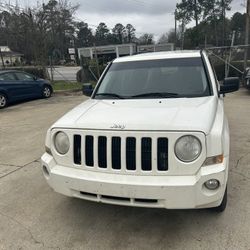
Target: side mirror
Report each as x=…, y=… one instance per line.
x=35, y=78
x=87, y=89
x=230, y=84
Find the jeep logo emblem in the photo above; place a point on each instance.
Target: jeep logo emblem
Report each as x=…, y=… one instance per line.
x=118, y=126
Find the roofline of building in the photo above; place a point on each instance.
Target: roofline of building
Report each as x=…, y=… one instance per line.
x=124, y=44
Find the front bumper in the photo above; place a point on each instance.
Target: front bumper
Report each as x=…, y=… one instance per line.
x=171, y=192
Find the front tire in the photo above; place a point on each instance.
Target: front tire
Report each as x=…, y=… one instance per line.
x=223, y=204
x=3, y=101
x=47, y=92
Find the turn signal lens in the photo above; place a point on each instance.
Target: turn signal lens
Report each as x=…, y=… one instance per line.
x=214, y=160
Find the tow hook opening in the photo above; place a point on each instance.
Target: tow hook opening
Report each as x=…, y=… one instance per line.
x=46, y=172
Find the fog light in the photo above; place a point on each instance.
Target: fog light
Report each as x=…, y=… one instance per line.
x=212, y=184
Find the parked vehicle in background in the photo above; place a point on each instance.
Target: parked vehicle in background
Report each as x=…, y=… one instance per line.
x=19, y=85
x=153, y=134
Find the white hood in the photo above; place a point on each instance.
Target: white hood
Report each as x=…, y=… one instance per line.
x=173, y=114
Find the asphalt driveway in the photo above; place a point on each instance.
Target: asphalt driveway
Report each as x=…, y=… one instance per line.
x=32, y=216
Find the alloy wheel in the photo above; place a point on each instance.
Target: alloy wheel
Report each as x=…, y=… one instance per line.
x=46, y=92
x=3, y=101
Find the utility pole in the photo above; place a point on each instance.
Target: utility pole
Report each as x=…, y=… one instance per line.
x=97, y=62
x=247, y=34
x=2, y=58
x=227, y=64
x=223, y=21
x=175, y=30
x=205, y=42
x=196, y=22
x=182, y=34
x=195, y=13
x=51, y=69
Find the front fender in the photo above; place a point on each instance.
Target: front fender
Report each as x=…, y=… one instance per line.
x=218, y=141
x=4, y=92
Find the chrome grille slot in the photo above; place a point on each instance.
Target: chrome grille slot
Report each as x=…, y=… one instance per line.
x=116, y=152
x=77, y=150
x=89, y=150
x=162, y=154
x=102, y=152
x=146, y=154
x=131, y=153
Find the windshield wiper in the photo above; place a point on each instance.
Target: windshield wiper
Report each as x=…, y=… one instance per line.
x=152, y=94
x=157, y=94
x=110, y=94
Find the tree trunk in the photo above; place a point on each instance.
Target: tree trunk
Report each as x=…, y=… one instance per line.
x=247, y=34
x=182, y=34
x=215, y=27
x=195, y=13
x=223, y=23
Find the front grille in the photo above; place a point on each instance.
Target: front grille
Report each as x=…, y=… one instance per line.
x=121, y=153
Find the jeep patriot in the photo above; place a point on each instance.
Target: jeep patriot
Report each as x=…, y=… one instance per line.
x=153, y=134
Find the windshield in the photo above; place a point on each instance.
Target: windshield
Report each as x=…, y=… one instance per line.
x=165, y=78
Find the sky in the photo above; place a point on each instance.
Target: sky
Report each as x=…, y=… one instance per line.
x=151, y=16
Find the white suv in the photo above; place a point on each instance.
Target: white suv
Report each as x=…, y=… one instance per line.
x=153, y=134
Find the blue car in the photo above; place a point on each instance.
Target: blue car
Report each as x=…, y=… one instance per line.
x=18, y=86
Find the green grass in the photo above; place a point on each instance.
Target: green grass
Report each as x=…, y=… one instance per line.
x=62, y=85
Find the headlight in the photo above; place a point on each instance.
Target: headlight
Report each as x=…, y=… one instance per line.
x=188, y=148
x=61, y=142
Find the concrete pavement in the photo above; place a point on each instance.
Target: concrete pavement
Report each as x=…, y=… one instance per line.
x=23, y=127
x=32, y=216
